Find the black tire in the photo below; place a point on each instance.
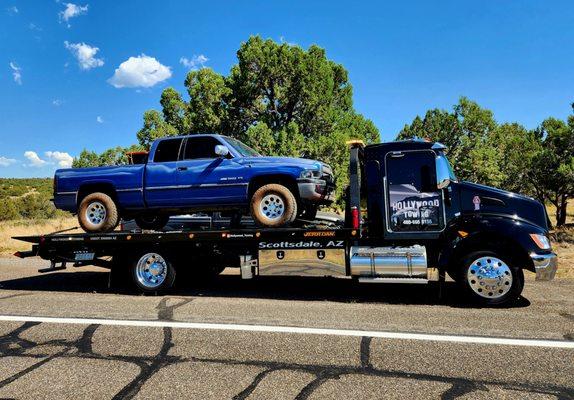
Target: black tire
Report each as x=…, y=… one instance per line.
x=158, y=278
x=278, y=196
x=502, y=285
x=98, y=213
x=152, y=222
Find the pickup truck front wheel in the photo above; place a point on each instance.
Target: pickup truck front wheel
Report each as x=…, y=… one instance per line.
x=98, y=213
x=273, y=206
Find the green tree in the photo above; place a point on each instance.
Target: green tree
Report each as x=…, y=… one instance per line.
x=8, y=210
x=553, y=167
x=279, y=98
x=468, y=132
x=114, y=156
x=86, y=159
x=207, y=110
x=154, y=127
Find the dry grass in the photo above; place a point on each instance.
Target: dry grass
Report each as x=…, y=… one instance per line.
x=30, y=227
x=565, y=253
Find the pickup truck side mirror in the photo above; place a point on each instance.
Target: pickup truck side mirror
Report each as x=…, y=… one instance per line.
x=221, y=150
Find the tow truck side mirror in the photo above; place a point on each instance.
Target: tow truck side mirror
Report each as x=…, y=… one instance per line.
x=443, y=175
x=221, y=150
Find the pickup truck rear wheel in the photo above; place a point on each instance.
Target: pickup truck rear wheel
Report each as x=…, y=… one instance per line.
x=98, y=213
x=273, y=205
x=490, y=278
x=153, y=222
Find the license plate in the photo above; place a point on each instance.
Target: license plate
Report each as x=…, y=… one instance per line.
x=84, y=256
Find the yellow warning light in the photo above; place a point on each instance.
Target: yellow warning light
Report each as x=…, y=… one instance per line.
x=257, y=234
x=191, y=235
x=353, y=232
x=355, y=142
x=129, y=237
x=462, y=234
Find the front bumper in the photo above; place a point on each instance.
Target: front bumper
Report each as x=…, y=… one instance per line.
x=545, y=265
x=316, y=190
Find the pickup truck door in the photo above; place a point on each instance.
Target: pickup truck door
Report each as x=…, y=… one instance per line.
x=161, y=174
x=207, y=179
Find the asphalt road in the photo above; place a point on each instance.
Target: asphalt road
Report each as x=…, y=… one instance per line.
x=102, y=357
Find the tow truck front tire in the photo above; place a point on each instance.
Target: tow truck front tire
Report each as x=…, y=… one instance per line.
x=490, y=278
x=98, y=213
x=273, y=206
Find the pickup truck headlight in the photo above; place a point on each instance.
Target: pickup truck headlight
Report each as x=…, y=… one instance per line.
x=310, y=174
x=541, y=241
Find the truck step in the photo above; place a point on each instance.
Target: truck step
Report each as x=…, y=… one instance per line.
x=392, y=280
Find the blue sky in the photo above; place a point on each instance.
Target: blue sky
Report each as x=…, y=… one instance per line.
x=59, y=95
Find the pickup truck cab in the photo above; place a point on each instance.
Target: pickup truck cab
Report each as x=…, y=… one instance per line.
x=184, y=174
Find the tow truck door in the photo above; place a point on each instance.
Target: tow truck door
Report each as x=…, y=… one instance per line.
x=413, y=203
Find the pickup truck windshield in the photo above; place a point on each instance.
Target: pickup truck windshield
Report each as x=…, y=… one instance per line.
x=242, y=148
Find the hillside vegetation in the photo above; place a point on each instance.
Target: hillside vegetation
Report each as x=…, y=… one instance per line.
x=27, y=199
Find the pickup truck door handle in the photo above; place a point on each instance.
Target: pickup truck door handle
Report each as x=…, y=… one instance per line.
x=182, y=168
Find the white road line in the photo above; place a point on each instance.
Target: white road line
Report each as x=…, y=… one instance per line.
x=561, y=344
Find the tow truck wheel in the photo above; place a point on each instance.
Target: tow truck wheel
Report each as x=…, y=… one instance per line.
x=490, y=278
x=152, y=222
x=98, y=213
x=151, y=272
x=273, y=205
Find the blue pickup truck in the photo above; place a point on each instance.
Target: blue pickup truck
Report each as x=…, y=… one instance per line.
x=195, y=173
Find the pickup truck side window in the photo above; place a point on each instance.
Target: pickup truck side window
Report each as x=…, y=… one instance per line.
x=200, y=147
x=414, y=202
x=167, y=150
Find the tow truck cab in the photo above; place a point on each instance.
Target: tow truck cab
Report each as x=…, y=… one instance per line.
x=414, y=199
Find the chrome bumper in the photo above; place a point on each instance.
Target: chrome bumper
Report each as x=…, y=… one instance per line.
x=545, y=265
x=316, y=190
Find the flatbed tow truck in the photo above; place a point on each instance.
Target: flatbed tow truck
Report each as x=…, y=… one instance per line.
x=419, y=224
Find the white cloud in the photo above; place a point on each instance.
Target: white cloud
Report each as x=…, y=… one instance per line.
x=72, y=11
x=99, y=119
x=35, y=161
x=4, y=162
x=12, y=10
x=59, y=158
x=62, y=159
x=33, y=27
x=16, y=73
x=57, y=102
x=85, y=54
x=195, y=62
x=140, y=71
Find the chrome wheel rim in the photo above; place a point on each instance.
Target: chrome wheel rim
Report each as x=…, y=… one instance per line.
x=96, y=213
x=489, y=277
x=272, y=206
x=151, y=270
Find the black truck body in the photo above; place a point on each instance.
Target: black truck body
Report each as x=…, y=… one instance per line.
x=419, y=224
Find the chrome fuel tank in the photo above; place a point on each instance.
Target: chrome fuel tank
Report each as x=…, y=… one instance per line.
x=389, y=262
